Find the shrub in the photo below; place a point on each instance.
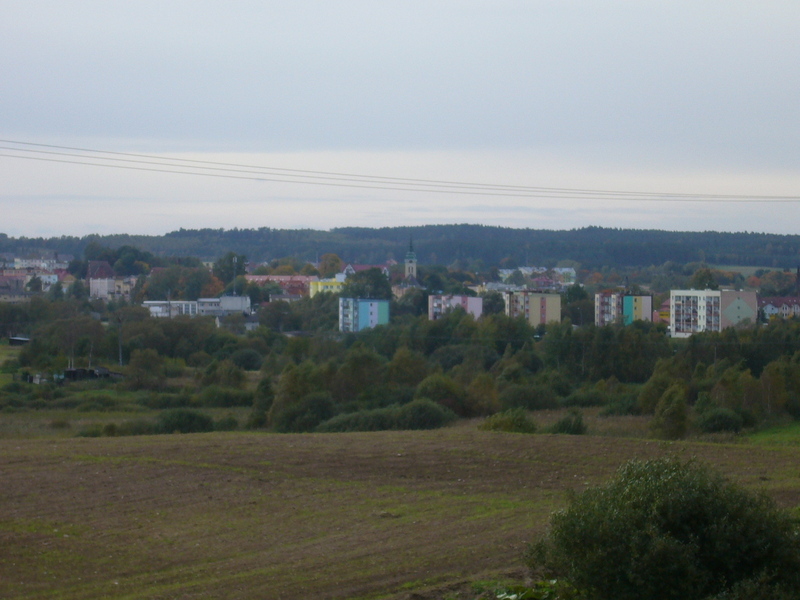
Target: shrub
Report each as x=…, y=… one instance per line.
x=718, y=420
x=585, y=397
x=247, y=359
x=670, y=530
x=226, y=423
x=624, y=404
x=304, y=415
x=570, y=424
x=529, y=397
x=139, y=427
x=514, y=420
x=223, y=397
x=423, y=414
x=672, y=414
x=379, y=419
x=182, y=420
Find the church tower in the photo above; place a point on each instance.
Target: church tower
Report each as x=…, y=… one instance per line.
x=411, y=262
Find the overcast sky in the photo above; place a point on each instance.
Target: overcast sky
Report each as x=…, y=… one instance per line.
x=680, y=97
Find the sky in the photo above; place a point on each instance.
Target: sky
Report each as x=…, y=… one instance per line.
x=548, y=114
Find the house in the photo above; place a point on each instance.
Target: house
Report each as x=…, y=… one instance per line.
x=781, y=307
x=358, y=314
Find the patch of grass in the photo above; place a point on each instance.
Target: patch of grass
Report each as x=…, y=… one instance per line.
x=788, y=433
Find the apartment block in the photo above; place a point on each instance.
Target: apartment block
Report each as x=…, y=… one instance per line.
x=536, y=307
x=695, y=311
x=623, y=309
x=439, y=305
x=357, y=314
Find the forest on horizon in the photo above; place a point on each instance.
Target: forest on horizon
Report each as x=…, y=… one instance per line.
x=471, y=247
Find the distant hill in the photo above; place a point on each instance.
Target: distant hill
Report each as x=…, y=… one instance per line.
x=592, y=247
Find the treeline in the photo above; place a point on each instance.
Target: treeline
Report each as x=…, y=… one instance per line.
x=453, y=367
x=471, y=247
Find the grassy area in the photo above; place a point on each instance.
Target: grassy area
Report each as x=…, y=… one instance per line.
x=251, y=515
x=788, y=433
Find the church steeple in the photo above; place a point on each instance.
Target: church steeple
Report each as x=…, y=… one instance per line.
x=411, y=261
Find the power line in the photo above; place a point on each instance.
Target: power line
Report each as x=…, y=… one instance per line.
x=228, y=170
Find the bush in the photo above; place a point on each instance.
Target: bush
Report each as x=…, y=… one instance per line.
x=182, y=420
x=379, y=419
x=570, y=424
x=624, y=404
x=247, y=359
x=585, y=397
x=223, y=397
x=514, y=420
x=671, y=418
x=423, y=414
x=304, y=415
x=719, y=420
x=529, y=397
x=671, y=530
x=138, y=427
x=226, y=423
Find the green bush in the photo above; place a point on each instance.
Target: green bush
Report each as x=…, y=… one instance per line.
x=304, y=415
x=719, y=420
x=529, y=397
x=570, y=424
x=223, y=397
x=182, y=420
x=247, y=359
x=585, y=397
x=138, y=427
x=226, y=423
x=379, y=419
x=671, y=417
x=623, y=404
x=514, y=420
x=423, y=414
x=671, y=530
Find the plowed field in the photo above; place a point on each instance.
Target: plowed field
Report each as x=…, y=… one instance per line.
x=372, y=515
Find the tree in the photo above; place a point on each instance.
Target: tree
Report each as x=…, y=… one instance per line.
x=230, y=266
x=370, y=283
x=672, y=414
x=670, y=530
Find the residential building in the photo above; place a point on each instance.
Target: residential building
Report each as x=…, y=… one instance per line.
x=290, y=284
x=439, y=305
x=695, y=311
x=333, y=285
x=624, y=309
x=536, y=307
x=112, y=288
x=358, y=314
x=781, y=307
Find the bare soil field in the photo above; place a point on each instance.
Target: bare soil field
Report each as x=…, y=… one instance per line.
x=392, y=515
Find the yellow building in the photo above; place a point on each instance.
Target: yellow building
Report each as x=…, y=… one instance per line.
x=325, y=285
x=537, y=308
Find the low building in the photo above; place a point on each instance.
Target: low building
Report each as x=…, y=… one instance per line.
x=439, y=305
x=204, y=307
x=358, y=314
x=537, y=308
